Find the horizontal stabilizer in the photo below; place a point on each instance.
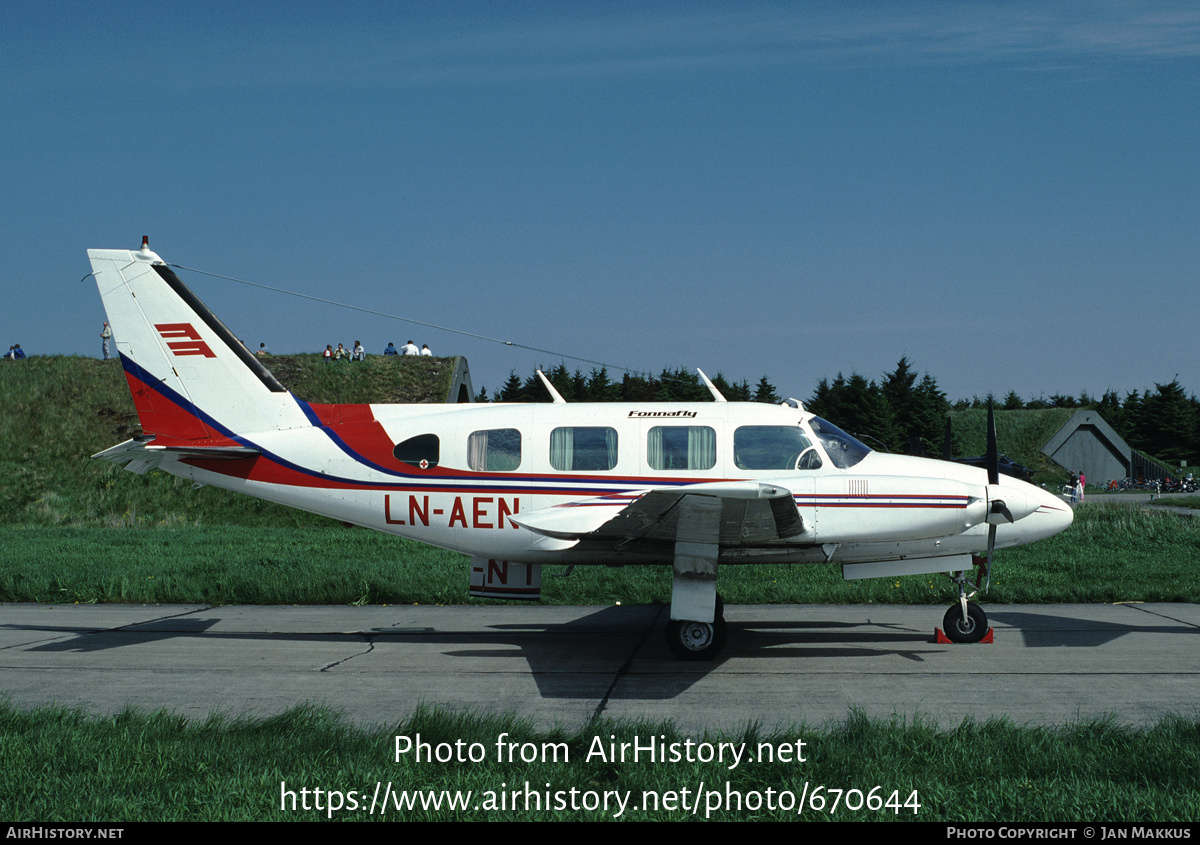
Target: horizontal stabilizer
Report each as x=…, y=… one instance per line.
x=141, y=455
x=215, y=453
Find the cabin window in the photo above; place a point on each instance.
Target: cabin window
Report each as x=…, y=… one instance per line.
x=583, y=449
x=768, y=446
x=674, y=447
x=421, y=451
x=494, y=450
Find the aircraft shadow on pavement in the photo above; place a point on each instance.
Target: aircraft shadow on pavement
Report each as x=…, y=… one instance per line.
x=588, y=654
x=563, y=658
x=585, y=656
x=1042, y=630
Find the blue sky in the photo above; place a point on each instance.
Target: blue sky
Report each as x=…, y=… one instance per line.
x=1006, y=193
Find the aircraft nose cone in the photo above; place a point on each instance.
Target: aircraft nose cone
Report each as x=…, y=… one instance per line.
x=1052, y=516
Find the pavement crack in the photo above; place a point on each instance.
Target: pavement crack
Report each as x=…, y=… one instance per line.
x=162, y=618
x=1159, y=614
x=368, y=641
x=625, y=667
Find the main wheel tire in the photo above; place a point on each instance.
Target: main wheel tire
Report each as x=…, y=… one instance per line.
x=696, y=640
x=969, y=630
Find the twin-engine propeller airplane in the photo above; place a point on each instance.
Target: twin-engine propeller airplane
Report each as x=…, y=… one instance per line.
x=690, y=485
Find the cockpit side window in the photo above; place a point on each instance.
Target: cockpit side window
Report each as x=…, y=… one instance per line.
x=811, y=459
x=844, y=450
x=769, y=446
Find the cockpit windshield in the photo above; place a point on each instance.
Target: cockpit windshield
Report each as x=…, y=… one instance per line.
x=843, y=450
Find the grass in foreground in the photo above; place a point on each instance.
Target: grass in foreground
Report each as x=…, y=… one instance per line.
x=61, y=765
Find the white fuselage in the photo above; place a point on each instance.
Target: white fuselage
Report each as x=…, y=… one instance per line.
x=462, y=476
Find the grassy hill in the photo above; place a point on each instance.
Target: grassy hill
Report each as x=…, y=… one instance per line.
x=376, y=380
x=1019, y=434
x=61, y=410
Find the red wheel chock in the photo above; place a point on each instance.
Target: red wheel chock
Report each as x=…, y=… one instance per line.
x=942, y=639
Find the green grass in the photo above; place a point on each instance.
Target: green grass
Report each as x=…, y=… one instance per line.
x=225, y=565
x=63, y=766
x=377, y=379
x=1111, y=553
x=1192, y=502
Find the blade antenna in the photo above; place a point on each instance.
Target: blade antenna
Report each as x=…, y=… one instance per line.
x=712, y=388
x=554, y=394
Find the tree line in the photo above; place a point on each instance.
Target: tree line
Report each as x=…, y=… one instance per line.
x=902, y=411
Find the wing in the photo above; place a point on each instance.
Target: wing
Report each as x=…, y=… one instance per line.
x=740, y=513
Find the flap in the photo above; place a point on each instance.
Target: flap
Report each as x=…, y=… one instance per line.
x=741, y=513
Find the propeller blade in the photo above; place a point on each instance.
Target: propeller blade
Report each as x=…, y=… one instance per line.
x=993, y=454
x=993, y=470
x=991, y=548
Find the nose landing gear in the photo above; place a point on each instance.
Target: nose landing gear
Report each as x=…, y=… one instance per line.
x=965, y=624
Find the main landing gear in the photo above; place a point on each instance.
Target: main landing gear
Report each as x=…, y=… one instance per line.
x=690, y=640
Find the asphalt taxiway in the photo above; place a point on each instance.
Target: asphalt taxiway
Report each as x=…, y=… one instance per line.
x=783, y=665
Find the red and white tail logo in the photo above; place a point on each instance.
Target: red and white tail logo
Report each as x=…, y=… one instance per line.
x=192, y=345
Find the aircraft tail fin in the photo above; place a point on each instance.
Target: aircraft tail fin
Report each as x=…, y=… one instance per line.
x=193, y=382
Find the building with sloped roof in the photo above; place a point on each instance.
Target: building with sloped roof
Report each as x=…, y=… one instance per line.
x=1089, y=444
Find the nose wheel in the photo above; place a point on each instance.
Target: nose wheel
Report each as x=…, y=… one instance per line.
x=965, y=623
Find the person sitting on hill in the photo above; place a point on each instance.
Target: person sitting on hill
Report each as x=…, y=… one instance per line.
x=391, y=350
x=410, y=348
x=359, y=354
